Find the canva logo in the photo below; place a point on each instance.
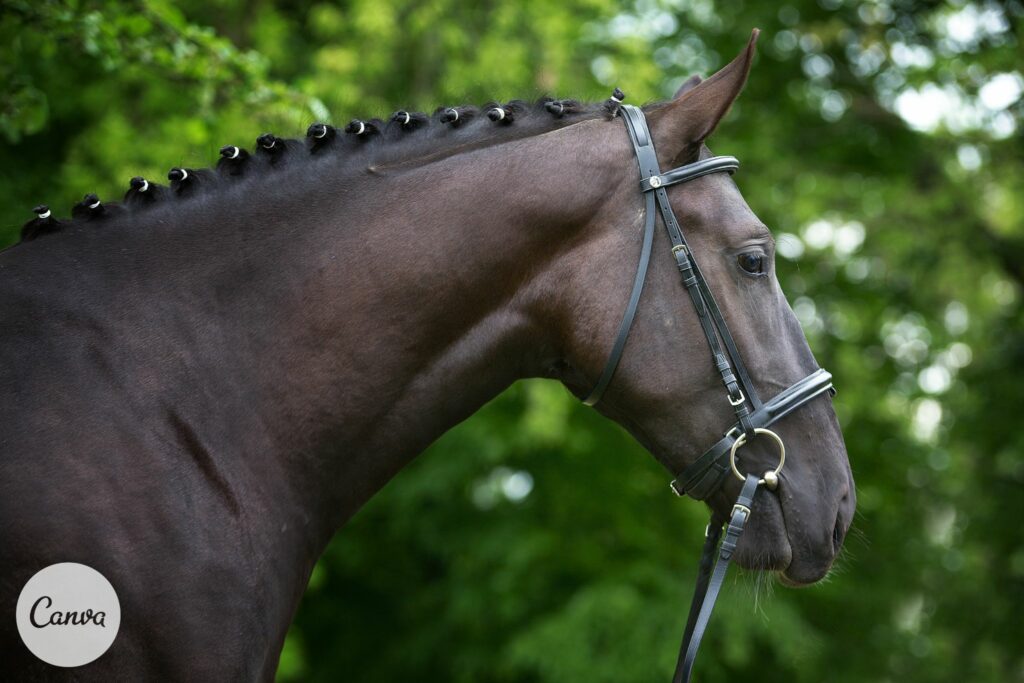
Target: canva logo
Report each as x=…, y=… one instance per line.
x=68, y=614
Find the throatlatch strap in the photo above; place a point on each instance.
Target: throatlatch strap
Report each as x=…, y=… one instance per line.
x=696, y=625
x=634, y=300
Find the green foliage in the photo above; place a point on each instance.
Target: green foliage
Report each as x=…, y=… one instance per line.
x=536, y=541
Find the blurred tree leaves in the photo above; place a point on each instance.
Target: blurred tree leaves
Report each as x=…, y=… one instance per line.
x=537, y=542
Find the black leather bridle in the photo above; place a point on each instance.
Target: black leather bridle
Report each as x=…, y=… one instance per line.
x=708, y=473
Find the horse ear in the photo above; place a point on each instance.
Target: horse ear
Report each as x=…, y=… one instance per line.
x=691, y=83
x=681, y=126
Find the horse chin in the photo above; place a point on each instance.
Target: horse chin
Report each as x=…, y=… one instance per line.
x=799, y=577
x=808, y=564
x=765, y=544
x=788, y=582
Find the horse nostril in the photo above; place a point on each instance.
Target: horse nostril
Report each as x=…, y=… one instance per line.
x=837, y=536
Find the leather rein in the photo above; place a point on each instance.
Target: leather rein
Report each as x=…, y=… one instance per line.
x=708, y=473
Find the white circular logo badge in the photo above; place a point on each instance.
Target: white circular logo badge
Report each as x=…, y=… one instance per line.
x=68, y=614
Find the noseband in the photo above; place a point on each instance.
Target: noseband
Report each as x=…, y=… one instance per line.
x=753, y=417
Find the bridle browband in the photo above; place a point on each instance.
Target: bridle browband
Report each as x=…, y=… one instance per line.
x=708, y=473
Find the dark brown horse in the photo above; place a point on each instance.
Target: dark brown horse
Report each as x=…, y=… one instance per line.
x=200, y=391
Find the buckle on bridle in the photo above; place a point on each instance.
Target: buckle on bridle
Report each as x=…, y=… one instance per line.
x=735, y=402
x=740, y=508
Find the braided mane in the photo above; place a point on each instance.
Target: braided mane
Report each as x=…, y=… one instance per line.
x=406, y=139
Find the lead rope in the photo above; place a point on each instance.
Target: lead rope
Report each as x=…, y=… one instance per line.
x=709, y=583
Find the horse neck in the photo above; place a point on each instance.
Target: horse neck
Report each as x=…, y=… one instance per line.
x=334, y=333
x=440, y=302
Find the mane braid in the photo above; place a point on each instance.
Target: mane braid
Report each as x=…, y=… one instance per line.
x=234, y=161
x=405, y=140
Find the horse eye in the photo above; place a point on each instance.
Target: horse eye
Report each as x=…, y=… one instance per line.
x=752, y=262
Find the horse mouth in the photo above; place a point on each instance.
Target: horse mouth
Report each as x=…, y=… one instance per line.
x=775, y=540
x=788, y=582
x=803, y=568
x=813, y=575
x=768, y=547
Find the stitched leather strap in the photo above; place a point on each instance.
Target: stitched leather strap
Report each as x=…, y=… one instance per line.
x=707, y=558
x=698, y=622
x=691, y=171
x=634, y=300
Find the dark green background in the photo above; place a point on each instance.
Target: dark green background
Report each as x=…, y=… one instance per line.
x=880, y=142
